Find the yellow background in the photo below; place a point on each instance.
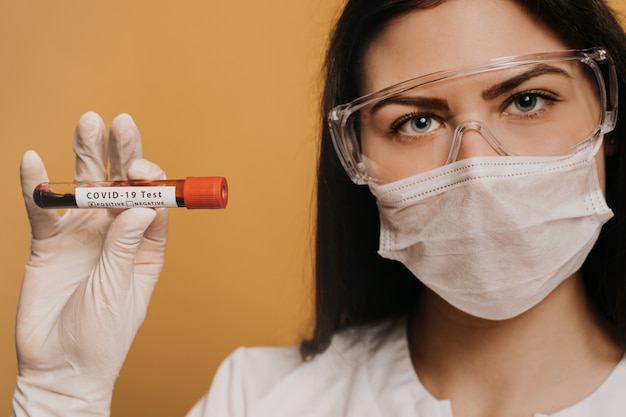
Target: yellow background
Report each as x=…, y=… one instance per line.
x=217, y=88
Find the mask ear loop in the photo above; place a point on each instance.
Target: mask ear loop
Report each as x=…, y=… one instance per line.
x=593, y=143
x=598, y=144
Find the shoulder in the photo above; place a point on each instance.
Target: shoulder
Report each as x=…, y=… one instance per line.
x=281, y=367
x=607, y=401
x=610, y=398
x=276, y=381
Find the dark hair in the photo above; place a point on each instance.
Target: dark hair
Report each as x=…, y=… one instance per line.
x=354, y=285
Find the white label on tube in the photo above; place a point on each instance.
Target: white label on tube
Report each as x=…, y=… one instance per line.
x=126, y=197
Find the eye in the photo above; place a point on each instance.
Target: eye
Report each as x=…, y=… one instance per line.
x=528, y=103
x=416, y=125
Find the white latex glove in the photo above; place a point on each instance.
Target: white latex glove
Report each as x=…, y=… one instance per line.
x=88, y=282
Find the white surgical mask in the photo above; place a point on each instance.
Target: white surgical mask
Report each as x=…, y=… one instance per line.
x=493, y=236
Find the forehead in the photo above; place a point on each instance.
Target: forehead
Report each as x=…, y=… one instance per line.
x=453, y=34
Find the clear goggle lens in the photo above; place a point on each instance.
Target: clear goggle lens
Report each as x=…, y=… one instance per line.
x=539, y=105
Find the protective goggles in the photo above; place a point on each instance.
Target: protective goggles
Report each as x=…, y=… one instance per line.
x=542, y=104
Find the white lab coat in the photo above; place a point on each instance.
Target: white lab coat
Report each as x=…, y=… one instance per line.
x=362, y=374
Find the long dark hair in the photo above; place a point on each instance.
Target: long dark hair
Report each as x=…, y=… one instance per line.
x=354, y=285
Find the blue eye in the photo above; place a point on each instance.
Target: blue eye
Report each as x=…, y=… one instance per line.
x=415, y=125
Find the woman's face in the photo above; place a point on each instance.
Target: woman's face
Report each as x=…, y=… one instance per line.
x=454, y=34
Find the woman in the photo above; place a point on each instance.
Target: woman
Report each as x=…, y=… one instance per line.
x=506, y=322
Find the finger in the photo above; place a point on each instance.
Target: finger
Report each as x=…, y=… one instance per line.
x=152, y=249
x=33, y=173
x=151, y=253
x=124, y=145
x=142, y=169
x=117, y=263
x=90, y=148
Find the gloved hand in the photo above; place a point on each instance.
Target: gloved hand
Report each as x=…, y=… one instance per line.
x=88, y=281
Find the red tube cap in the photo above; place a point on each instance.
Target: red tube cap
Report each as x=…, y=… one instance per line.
x=205, y=192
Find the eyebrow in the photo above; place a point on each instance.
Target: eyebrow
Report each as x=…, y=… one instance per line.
x=520, y=79
x=429, y=103
x=438, y=104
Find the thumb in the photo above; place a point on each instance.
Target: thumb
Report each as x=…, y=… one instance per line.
x=33, y=173
x=119, y=251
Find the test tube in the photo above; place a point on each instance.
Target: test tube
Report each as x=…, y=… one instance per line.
x=192, y=193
